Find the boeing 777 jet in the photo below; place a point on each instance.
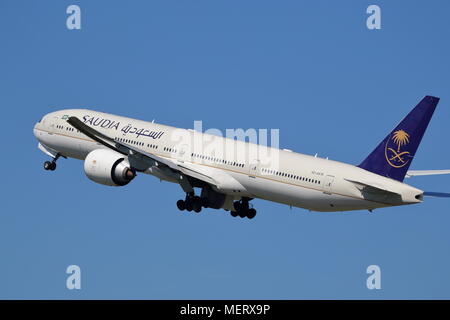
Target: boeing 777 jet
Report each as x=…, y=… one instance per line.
x=216, y=172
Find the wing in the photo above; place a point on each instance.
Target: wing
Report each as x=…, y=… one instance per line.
x=413, y=173
x=138, y=154
x=113, y=144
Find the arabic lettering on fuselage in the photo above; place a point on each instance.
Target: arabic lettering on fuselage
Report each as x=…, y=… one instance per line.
x=127, y=129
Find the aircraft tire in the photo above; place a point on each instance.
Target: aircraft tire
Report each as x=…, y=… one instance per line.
x=242, y=213
x=251, y=213
x=181, y=205
x=189, y=205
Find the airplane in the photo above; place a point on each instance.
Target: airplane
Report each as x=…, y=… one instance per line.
x=229, y=173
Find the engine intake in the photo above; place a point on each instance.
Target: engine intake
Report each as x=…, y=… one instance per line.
x=108, y=167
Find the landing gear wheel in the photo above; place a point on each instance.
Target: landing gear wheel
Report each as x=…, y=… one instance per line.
x=189, y=205
x=197, y=204
x=181, y=205
x=242, y=213
x=241, y=209
x=188, y=202
x=251, y=213
x=49, y=165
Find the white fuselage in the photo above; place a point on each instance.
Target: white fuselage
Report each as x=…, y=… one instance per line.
x=243, y=168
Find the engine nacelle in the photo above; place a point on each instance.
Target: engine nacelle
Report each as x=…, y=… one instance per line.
x=108, y=167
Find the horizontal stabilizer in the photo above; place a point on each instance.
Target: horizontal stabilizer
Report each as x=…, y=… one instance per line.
x=413, y=173
x=436, y=194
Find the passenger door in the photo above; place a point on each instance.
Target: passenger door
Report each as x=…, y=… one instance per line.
x=254, y=168
x=328, y=184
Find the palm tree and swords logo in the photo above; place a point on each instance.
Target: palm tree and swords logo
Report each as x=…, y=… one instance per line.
x=394, y=155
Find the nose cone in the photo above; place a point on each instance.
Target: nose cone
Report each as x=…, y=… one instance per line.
x=36, y=129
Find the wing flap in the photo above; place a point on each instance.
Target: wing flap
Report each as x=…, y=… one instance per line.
x=189, y=171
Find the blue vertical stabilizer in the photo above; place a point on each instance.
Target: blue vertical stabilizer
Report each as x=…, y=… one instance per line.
x=393, y=156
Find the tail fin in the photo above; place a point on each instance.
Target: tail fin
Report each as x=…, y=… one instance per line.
x=394, y=154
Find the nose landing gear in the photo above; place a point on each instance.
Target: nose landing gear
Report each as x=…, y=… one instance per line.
x=51, y=165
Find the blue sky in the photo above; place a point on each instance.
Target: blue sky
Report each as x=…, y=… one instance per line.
x=309, y=68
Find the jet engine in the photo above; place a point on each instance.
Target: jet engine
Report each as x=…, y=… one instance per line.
x=108, y=167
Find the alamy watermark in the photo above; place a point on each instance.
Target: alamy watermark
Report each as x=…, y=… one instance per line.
x=258, y=146
x=373, y=21
x=374, y=280
x=73, y=21
x=73, y=281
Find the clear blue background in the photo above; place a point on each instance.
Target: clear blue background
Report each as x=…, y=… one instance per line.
x=310, y=68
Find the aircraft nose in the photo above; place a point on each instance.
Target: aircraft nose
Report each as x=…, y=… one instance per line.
x=35, y=129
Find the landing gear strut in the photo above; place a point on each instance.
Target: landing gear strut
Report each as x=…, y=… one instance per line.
x=51, y=165
x=242, y=209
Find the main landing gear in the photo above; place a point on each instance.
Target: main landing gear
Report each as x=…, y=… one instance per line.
x=51, y=165
x=242, y=209
x=191, y=203
x=196, y=203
